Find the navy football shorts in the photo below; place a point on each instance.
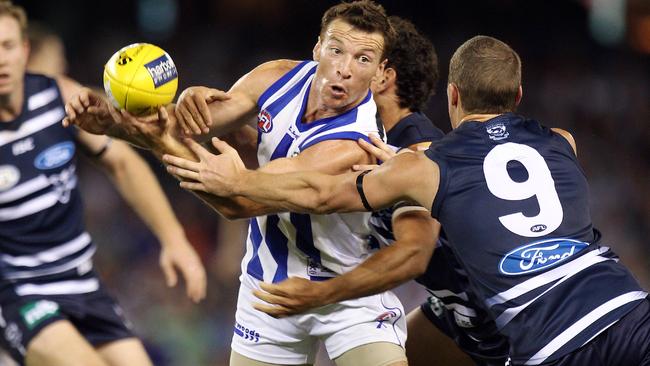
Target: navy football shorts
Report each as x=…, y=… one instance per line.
x=96, y=316
x=490, y=351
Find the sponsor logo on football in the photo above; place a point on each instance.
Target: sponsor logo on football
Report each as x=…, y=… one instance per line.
x=264, y=121
x=9, y=176
x=55, y=156
x=35, y=312
x=162, y=70
x=123, y=59
x=539, y=256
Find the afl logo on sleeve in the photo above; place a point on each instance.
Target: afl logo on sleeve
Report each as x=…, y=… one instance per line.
x=9, y=176
x=55, y=156
x=539, y=256
x=264, y=121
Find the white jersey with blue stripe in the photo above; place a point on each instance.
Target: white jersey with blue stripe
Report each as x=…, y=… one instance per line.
x=42, y=234
x=309, y=246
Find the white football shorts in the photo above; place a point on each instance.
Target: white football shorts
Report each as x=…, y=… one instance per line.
x=294, y=340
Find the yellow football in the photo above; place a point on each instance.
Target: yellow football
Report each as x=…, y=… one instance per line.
x=140, y=78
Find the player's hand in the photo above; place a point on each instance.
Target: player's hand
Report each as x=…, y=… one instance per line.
x=156, y=132
x=180, y=255
x=91, y=112
x=192, y=108
x=292, y=296
x=215, y=174
x=379, y=149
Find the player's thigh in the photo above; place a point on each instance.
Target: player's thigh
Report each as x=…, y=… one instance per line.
x=429, y=346
x=373, y=354
x=125, y=352
x=238, y=360
x=60, y=344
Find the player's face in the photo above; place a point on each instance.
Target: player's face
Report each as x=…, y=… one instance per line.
x=349, y=60
x=13, y=55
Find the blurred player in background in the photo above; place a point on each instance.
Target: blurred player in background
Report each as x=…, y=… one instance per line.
x=513, y=202
x=55, y=310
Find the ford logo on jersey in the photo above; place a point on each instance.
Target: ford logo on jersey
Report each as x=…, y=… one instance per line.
x=539, y=255
x=55, y=156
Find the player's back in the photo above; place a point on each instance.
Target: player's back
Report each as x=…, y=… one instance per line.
x=291, y=244
x=41, y=220
x=513, y=202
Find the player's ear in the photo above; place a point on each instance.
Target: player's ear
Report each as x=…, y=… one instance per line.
x=316, y=51
x=386, y=79
x=452, y=95
x=520, y=94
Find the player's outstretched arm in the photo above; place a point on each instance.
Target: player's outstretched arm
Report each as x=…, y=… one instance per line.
x=415, y=233
x=411, y=177
x=203, y=110
x=138, y=186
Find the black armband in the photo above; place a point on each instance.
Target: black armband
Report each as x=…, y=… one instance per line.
x=360, y=190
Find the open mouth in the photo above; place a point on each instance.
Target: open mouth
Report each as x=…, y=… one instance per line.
x=338, y=91
x=4, y=78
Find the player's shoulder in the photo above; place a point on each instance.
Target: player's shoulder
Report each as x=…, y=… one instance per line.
x=270, y=71
x=67, y=87
x=567, y=136
x=264, y=76
x=414, y=129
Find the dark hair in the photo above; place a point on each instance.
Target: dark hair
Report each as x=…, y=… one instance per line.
x=7, y=8
x=415, y=61
x=487, y=73
x=365, y=15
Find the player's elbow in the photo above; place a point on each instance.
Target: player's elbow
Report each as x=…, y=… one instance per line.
x=325, y=202
x=232, y=215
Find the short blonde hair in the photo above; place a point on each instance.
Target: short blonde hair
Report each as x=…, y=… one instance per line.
x=7, y=8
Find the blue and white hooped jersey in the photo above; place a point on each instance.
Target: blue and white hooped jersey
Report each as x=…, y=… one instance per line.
x=42, y=234
x=513, y=202
x=289, y=244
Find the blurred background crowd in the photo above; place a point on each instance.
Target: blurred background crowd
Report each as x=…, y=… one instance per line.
x=586, y=68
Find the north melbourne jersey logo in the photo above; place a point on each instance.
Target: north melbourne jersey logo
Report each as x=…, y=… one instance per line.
x=497, y=131
x=162, y=70
x=264, y=121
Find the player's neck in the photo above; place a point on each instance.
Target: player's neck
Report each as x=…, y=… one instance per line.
x=391, y=113
x=11, y=105
x=477, y=117
x=317, y=110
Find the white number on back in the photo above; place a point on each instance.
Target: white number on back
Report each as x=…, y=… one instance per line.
x=539, y=184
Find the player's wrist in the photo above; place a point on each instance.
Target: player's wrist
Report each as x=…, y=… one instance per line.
x=242, y=184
